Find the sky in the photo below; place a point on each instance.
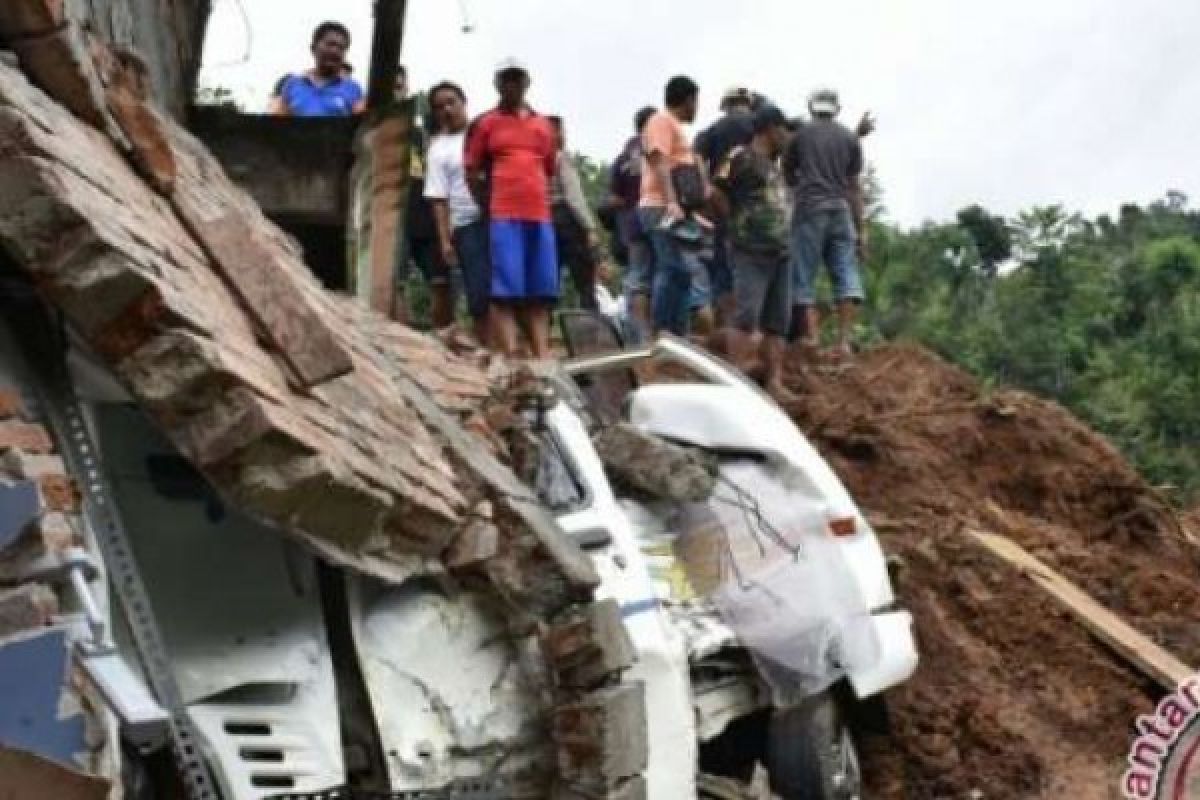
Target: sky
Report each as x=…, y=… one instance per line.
x=1010, y=104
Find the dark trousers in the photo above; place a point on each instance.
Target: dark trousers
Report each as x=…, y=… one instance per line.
x=573, y=250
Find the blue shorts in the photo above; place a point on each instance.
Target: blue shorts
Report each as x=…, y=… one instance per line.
x=524, y=261
x=829, y=236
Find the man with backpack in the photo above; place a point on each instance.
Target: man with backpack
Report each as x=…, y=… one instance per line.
x=673, y=188
x=631, y=245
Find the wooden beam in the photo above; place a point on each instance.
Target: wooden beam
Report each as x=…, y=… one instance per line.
x=385, y=51
x=1152, y=660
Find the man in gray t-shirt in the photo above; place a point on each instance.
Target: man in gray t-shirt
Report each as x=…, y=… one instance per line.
x=824, y=164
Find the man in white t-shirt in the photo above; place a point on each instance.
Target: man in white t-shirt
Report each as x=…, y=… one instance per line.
x=462, y=229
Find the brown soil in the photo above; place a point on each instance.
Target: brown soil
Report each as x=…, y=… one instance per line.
x=1013, y=699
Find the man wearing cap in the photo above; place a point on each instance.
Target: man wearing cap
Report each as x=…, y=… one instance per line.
x=511, y=150
x=714, y=144
x=753, y=198
x=824, y=164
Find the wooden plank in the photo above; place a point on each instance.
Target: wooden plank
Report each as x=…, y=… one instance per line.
x=1155, y=662
x=284, y=316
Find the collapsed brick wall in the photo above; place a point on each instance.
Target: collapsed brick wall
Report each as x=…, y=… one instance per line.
x=304, y=409
x=57, y=712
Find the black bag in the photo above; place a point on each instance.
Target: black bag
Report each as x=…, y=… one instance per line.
x=688, y=182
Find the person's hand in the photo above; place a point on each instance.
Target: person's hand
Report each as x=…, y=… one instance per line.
x=866, y=125
x=449, y=255
x=674, y=212
x=603, y=271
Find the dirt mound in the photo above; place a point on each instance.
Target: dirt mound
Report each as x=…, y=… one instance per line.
x=1013, y=699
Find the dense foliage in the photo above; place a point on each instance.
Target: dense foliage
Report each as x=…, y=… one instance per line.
x=1102, y=315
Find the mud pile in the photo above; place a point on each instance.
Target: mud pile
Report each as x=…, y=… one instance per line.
x=1013, y=698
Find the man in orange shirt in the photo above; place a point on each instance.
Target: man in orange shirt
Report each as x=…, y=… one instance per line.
x=661, y=211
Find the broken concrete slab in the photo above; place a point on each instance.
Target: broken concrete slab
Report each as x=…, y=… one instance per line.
x=282, y=313
x=60, y=62
x=589, y=645
x=601, y=739
x=24, y=436
x=26, y=608
x=654, y=466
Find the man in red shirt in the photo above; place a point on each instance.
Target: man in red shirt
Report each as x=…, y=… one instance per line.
x=509, y=158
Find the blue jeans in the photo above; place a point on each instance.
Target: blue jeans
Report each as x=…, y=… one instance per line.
x=827, y=235
x=674, y=266
x=474, y=260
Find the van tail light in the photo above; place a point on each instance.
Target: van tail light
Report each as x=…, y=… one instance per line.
x=843, y=526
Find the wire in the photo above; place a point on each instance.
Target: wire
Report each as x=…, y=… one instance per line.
x=249, y=28
x=467, y=25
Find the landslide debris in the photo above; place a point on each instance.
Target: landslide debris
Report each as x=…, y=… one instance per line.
x=1013, y=699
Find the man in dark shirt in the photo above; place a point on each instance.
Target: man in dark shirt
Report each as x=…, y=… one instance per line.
x=824, y=164
x=753, y=199
x=625, y=189
x=713, y=145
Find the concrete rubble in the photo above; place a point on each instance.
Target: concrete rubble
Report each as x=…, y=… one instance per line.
x=304, y=409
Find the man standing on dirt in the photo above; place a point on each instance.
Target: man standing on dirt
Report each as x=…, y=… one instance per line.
x=824, y=165
x=753, y=197
x=624, y=194
x=461, y=227
x=714, y=144
x=669, y=163
x=326, y=90
x=510, y=151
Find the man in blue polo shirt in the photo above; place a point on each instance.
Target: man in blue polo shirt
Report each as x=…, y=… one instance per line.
x=326, y=90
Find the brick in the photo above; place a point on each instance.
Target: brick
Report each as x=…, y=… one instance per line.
x=60, y=63
x=25, y=608
x=238, y=419
x=24, y=436
x=50, y=534
x=259, y=278
x=313, y=493
x=59, y=493
x=149, y=149
x=589, y=645
x=478, y=543
x=11, y=404
x=131, y=327
x=631, y=789
x=601, y=739
x=23, y=18
x=18, y=464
